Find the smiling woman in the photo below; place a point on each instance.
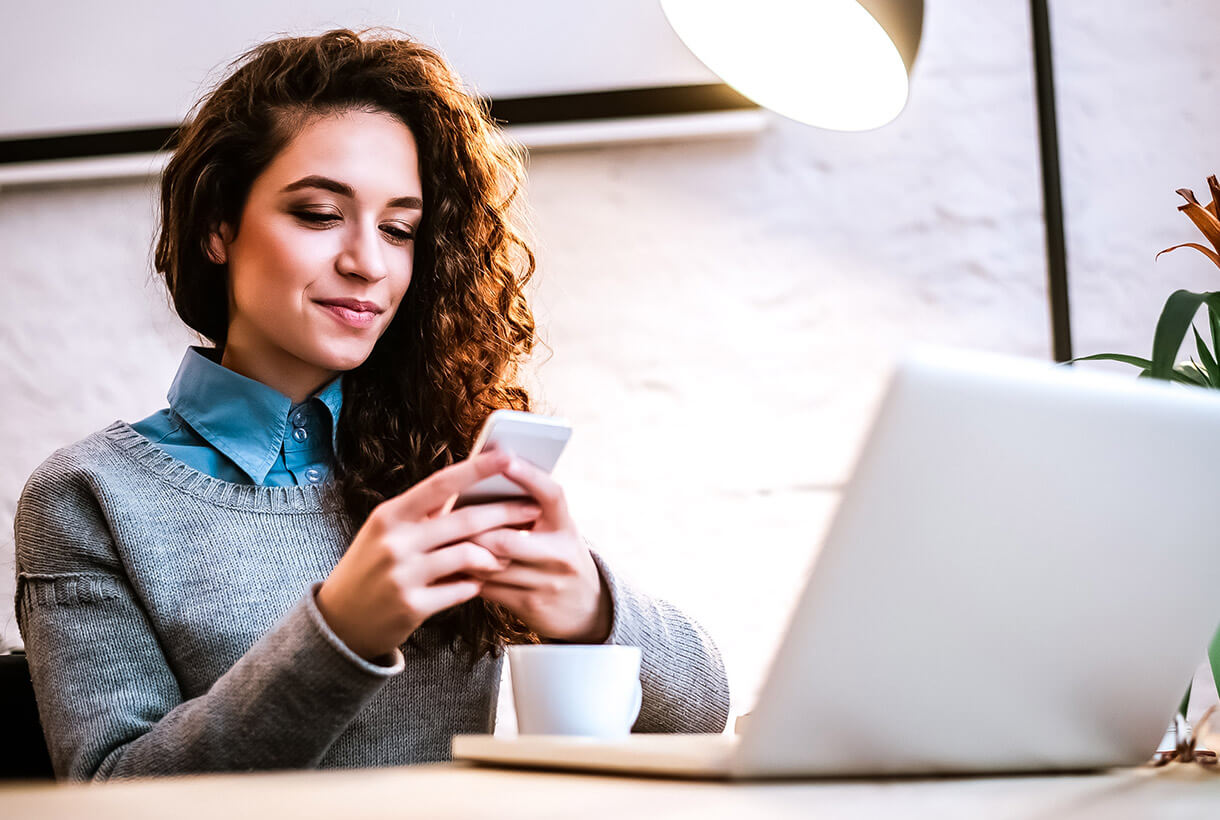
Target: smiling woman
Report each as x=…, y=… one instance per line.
x=325, y=238
x=264, y=574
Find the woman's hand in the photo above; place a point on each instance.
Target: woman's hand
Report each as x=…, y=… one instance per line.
x=552, y=584
x=409, y=560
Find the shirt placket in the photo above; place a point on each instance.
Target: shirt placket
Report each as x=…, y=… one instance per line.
x=302, y=455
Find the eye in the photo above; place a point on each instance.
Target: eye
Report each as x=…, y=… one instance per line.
x=397, y=235
x=316, y=217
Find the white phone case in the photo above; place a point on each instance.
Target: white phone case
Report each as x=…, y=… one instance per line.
x=536, y=438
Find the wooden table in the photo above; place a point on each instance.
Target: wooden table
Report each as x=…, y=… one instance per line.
x=454, y=790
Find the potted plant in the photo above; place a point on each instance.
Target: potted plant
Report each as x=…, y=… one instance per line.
x=1177, y=318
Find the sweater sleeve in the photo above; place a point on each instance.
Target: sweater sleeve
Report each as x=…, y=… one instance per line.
x=682, y=677
x=109, y=703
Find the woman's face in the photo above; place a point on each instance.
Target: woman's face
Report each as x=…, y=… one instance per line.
x=332, y=217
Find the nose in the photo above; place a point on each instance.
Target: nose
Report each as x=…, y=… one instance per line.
x=362, y=254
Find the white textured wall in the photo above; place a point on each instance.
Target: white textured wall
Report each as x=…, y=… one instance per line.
x=722, y=314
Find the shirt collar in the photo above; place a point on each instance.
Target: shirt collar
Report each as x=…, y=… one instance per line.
x=331, y=397
x=242, y=418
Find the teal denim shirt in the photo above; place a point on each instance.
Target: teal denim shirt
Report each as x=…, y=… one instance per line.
x=237, y=429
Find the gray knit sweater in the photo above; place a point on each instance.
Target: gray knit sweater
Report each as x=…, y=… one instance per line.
x=171, y=627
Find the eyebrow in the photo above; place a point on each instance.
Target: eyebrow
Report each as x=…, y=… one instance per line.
x=343, y=189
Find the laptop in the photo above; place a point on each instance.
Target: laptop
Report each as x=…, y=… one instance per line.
x=1020, y=577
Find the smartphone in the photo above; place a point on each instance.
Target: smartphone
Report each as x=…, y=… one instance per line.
x=536, y=438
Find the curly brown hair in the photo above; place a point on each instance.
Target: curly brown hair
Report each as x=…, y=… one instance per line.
x=451, y=354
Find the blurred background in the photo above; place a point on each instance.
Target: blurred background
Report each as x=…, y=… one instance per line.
x=721, y=308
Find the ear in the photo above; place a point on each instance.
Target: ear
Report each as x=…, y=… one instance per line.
x=218, y=242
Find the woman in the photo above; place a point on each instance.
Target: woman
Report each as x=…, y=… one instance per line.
x=260, y=575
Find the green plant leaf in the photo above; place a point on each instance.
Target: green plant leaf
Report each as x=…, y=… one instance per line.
x=1176, y=316
x=1213, y=654
x=1114, y=357
x=1209, y=361
x=1212, y=300
x=1181, y=378
x=1213, y=318
x=1189, y=373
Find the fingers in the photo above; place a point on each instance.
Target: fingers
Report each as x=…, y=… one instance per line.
x=540, y=485
x=514, y=599
x=465, y=557
x=522, y=576
x=464, y=524
x=442, y=596
x=517, y=546
x=434, y=491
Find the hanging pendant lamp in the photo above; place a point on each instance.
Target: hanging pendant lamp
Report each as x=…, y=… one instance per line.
x=838, y=64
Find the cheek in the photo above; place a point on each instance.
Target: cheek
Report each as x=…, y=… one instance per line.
x=404, y=271
x=296, y=255
x=400, y=281
x=275, y=264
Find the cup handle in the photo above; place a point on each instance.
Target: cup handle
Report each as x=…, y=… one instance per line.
x=635, y=705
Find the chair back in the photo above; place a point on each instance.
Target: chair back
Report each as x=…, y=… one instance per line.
x=23, y=749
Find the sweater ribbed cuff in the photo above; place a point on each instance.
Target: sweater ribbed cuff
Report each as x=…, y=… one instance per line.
x=391, y=663
x=624, y=629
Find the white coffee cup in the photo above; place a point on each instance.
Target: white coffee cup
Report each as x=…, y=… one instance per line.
x=575, y=689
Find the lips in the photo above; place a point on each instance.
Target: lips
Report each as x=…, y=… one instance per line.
x=352, y=318
x=354, y=305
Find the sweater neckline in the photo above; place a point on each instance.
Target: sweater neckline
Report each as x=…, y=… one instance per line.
x=172, y=470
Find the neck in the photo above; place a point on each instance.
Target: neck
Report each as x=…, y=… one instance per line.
x=284, y=372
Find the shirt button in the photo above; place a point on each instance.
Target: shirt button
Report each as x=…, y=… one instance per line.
x=313, y=475
x=300, y=434
x=298, y=418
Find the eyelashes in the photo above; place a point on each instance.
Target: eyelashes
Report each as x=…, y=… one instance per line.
x=399, y=235
x=396, y=235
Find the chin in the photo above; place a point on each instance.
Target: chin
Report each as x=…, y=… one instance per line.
x=345, y=363
x=348, y=359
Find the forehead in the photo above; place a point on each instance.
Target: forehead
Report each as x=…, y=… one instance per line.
x=373, y=152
